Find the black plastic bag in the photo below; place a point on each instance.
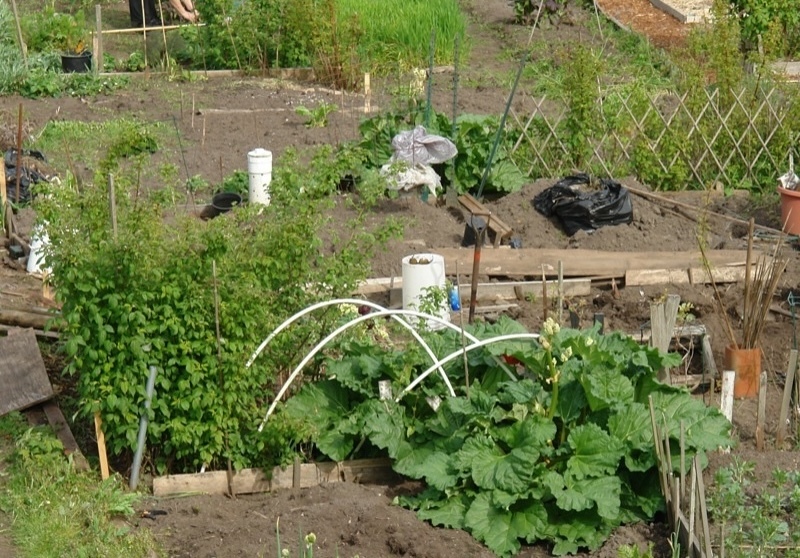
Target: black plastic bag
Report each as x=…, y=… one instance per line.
x=28, y=176
x=610, y=204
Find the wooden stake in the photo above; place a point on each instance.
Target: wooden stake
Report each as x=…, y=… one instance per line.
x=367, y=94
x=221, y=378
x=683, y=459
x=692, y=510
x=726, y=399
x=112, y=206
x=544, y=295
x=97, y=40
x=701, y=497
x=144, y=34
x=783, y=418
x=19, y=153
x=3, y=200
x=193, y=111
x=762, y=409
x=22, y=47
x=101, y=446
x=560, y=291
x=203, y=141
x=463, y=339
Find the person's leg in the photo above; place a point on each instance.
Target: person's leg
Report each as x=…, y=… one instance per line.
x=152, y=13
x=135, y=8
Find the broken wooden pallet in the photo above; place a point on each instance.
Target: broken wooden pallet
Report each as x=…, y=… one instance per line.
x=499, y=228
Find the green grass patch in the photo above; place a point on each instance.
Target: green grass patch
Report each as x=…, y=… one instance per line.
x=398, y=32
x=57, y=511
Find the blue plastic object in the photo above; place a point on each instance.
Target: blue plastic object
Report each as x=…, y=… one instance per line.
x=455, y=300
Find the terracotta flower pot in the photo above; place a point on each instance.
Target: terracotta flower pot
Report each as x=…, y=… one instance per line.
x=747, y=365
x=790, y=210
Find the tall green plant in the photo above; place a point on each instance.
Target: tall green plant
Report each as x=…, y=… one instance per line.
x=581, y=92
x=146, y=296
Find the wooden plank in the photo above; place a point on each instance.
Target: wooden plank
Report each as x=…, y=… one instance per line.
x=689, y=276
x=783, y=417
x=503, y=290
x=24, y=319
x=493, y=223
x=23, y=376
x=723, y=274
x=101, y=445
x=662, y=325
x=709, y=364
x=531, y=262
x=61, y=428
x=643, y=277
x=250, y=481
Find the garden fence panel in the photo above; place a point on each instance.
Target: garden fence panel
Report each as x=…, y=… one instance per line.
x=695, y=139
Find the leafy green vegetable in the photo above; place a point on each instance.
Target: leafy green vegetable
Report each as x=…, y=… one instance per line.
x=564, y=454
x=474, y=137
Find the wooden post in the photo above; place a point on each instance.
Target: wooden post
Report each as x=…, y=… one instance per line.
x=3, y=200
x=112, y=206
x=97, y=40
x=101, y=446
x=22, y=47
x=544, y=295
x=762, y=409
x=367, y=94
x=783, y=418
x=560, y=291
x=726, y=399
x=701, y=497
x=662, y=326
x=19, y=153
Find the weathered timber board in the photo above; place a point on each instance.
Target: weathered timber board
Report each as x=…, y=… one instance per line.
x=249, y=481
x=23, y=376
x=61, y=428
x=532, y=262
x=507, y=290
x=690, y=276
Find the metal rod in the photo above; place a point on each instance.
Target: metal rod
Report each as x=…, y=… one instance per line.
x=502, y=125
x=476, y=267
x=143, y=421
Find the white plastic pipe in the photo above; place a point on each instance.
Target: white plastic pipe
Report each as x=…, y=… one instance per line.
x=354, y=301
x=259, y=169
x=459, y=352
x=342, y=328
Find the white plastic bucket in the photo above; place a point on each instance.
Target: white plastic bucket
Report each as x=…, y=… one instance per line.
x=259, y=168
x=420, y=272
x=39, y=241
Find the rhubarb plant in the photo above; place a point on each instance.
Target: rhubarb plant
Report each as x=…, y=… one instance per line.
x=562, y=453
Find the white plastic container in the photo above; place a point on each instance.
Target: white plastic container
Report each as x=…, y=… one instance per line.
x=259, y=169
x=420, y=272
x=39, y=241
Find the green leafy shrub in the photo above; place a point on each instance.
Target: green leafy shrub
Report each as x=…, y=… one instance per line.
x=564, y=453
x=147, y=297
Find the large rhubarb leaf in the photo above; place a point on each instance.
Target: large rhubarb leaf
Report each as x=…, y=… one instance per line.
x=496, y=527
x=447, y=513
x=606, y=387
x=595, y=453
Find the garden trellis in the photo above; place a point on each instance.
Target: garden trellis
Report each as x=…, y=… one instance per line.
x=673, y=140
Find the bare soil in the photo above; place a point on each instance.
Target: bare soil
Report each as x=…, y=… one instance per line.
x=220, y=120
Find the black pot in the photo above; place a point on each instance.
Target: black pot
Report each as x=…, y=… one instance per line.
x=76, y=63
x=225, y=201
